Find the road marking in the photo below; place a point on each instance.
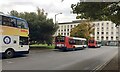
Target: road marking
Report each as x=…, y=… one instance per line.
x=101, y=66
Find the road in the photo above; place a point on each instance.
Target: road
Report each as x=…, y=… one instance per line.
x=87, y=59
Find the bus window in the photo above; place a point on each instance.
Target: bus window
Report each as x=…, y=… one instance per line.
x=83, y=42
x=6, y=21
x=71, y=41
x=23, y=41
x=98, y=42
x=22, y=24
x=0, y=20
x=13, y=22
x=77, y=42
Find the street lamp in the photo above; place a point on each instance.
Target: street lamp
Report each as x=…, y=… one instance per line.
x=56, y=15
x=56, y=22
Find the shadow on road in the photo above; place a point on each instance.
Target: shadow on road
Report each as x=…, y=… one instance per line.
x=16, y=56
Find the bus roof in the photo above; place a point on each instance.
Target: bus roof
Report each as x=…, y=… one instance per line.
x=73, y=37
x=12, y=17
x=78, y=38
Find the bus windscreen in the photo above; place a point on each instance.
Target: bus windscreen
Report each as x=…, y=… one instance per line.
x=91, y=41
x=60, y=39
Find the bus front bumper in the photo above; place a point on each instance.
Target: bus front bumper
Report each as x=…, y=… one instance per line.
x=60, y=48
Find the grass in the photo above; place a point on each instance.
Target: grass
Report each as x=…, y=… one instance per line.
x=42, y=46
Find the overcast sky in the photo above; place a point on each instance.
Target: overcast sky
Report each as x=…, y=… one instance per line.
x=51, y=7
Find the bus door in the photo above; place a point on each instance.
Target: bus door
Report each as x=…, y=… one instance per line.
x=23, y=43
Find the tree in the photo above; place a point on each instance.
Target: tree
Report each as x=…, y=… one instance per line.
x=13, y=12
x=41, y=28
x=83, y=30
x=98, y=11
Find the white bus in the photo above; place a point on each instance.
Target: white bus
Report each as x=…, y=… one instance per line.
x=14, y=34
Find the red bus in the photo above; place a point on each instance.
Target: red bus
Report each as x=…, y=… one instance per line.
x=94, y=43
x=65, y=43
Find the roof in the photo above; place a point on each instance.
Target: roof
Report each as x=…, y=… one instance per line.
x=76, y=21
x=12, y=17
x=78, y=38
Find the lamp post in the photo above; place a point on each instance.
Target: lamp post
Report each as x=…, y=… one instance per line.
x=56, y=15
x=56, y=22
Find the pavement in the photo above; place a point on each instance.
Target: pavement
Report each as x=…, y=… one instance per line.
x=113, y=65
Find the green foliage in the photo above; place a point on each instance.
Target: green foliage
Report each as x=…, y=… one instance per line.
x=41, y=28
x=83, y=30
x=42, y=46
x=98, y=11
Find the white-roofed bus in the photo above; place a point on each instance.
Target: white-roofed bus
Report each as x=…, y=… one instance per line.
x=65, y=43
x=14, y=34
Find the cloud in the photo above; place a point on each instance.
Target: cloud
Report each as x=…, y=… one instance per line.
x=51, y=7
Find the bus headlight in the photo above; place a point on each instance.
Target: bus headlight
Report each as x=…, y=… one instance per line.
x=63, y=45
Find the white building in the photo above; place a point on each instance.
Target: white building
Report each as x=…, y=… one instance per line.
x=104, y=30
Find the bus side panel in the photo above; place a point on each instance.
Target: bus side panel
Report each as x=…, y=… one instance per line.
x=67, y=43
x=13, y=43
x=10, y=31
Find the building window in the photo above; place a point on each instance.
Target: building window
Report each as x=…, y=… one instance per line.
x=116, y=38
x=97, y=32
x=111, y=32
x=58, y=30
x=106, y=38
x=102, y=33
x=68, y=34
x=68, y=26
x=107, y=23
x=111, y=27
x=116, y=32
x=71, y=26
x=111, y=38
x=74, y=25
x=98, y=24
x=67, y=29
x=97, y=29
x=58, y=33
x=93, y=24
x=102, y=24
x=102, y=28
x=61, y=26
x=107, y=28
x=106, y=32
x=64, y=29
x=61, y=33
x=97, y=37
x=64, y=34
x=102, y=38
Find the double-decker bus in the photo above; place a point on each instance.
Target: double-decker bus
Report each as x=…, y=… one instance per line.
x=94, y=43
x=14, y=34
x=65, y=43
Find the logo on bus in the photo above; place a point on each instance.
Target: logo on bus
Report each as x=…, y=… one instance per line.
x=7, y=39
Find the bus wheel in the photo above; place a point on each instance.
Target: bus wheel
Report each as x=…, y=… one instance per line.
x=9, y=53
